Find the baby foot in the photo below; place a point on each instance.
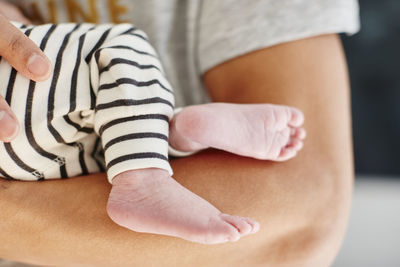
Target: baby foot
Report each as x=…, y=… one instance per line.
x=262, y=131
x=151, y=201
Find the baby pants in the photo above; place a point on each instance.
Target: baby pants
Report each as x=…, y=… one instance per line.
x=106, y=106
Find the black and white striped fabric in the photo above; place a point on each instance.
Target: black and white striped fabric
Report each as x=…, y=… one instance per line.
x=107, y=94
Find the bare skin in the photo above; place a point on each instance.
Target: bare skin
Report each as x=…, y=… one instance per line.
x=150, y=201
x=302, y=204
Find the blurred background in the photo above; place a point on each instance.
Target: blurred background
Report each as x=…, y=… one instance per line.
x=374, y=64
x=373, y=237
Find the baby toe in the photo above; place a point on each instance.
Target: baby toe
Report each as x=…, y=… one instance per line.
x=221, y=231
x=299, y=133
x=255, y=226
x=295, y=143
x=242, y=225
x=287, y=153
x=297, y=117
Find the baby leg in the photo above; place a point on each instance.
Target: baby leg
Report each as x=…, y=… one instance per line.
x=132, y=116
x=262, y=131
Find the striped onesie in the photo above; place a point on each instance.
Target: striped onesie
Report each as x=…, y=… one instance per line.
x=106, y=106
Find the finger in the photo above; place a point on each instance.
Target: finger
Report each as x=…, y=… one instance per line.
x=8, y=123
x=22, y=53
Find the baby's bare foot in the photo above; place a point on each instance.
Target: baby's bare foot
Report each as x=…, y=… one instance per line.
x=262, y=131
x=151, y=201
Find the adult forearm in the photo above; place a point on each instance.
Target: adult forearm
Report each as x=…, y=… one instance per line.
x=302, y=215
x=64, y=222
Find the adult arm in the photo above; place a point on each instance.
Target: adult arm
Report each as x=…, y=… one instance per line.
x=302, y=204
x=24, y=56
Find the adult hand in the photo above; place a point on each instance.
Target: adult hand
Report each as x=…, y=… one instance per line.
x=24, y=55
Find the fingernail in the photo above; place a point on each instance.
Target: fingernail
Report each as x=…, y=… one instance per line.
x=8, y=125
x=38, y=65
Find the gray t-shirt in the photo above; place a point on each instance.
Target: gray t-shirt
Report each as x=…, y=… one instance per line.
x=192, y=36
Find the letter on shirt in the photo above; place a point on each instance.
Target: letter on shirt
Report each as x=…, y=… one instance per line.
x=75, y=9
